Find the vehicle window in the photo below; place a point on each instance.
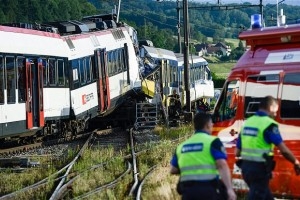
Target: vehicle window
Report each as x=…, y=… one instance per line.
x=52, y=66
x=45, y=71
x=10, y=80
x=228, y=102
x=290, y=99
x=258, y=87
x=21, y=79
x=61, y=72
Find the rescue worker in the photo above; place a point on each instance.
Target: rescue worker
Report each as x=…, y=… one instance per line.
x=175, y=104
x=201, y=163
x=255, y=145
x=202, y=106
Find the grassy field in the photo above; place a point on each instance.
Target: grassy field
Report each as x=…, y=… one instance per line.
x=221, y=69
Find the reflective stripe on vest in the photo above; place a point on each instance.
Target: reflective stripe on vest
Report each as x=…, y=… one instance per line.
x=252, y=138
x=247, y=154
x=202, y=177
x=195, y=160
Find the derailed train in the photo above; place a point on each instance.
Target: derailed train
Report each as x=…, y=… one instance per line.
x=171, y=75
x=56, y=77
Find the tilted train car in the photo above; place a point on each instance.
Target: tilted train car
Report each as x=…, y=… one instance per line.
x=270, y=66
x=56, y=76
x=171, y=69
x=201, y=83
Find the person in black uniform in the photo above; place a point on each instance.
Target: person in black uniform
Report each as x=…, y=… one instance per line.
x=175, y=104
x=201, y=163
x=255, y=146
x=202, y=106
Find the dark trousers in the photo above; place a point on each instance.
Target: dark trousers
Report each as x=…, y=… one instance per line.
x=257, y=178
x=210, y=190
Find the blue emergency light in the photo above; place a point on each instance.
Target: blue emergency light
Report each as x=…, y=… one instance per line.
x=256, y=21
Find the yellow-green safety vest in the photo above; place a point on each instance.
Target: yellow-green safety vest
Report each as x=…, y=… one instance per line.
x=195, y=160
x=252, y=138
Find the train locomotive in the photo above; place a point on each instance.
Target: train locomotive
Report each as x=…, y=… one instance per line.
x=56, y=76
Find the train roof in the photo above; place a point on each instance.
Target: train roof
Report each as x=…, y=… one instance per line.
x=87, y=24
x=192, y=59
x=160, y=53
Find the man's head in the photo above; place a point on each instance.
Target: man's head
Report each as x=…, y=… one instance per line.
x=203, y=121
x=270, y=105
x=174, y=91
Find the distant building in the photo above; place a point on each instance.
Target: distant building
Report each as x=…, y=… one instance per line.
x=220, y=49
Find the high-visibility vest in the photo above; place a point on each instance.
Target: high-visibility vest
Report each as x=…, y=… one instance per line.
x=254, y=145
x=195, y=160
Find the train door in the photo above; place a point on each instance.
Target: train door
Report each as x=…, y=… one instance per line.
x=103, y=81
x=34, y=93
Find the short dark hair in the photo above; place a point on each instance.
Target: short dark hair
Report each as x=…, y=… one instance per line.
x=267, y=101
x=201, y=119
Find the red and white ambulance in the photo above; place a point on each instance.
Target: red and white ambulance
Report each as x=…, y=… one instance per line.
x=270, y=66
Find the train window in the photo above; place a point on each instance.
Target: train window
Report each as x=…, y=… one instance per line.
x=114, y=60
x=174, y=82
x=181, y=81
x=89, y=67
x=21, y=79
x=120, y=63
x=10, y=79
x=45, y=71
x=75, y=73
x=109, y=63
x=197, y=74
x=124, y=60
x=61, y=72
x=191, y=75
x=227, y=105
x=202, y=72
x=1, y=81
x=82, y=71
x=290, y=99
x=52, y=67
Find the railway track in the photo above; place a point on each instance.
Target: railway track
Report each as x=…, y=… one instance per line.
x=17, y=150
x=66, y=182
x=40, y=185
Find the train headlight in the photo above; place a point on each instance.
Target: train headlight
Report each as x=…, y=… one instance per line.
x=256, y=21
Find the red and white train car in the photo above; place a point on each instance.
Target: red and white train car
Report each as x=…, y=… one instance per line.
x=271, y=66
x=55, y=77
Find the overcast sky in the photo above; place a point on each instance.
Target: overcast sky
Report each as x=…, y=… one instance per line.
x=289, y=2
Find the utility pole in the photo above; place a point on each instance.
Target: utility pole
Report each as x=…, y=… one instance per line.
x=178, y=26
x=186, y=56
x=261, y=12
x=118, y=14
